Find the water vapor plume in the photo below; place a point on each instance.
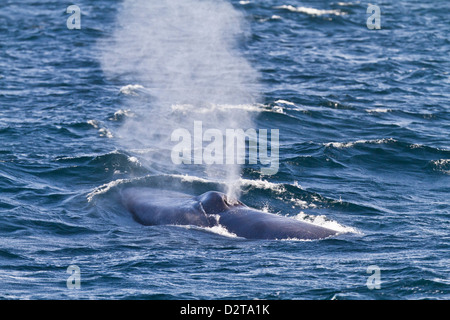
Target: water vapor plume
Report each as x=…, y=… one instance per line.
x=185, y=54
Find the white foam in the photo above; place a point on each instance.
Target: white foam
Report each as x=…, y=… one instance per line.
x=221, y=231
x=285, y=102
x=302, y=204
x=122, y=113
x=310, y=11
x=441, y=165
x=416, y=146
x=297, y=185
x=263, y=184
x=341, y=145
x=277, y=109
x=134, y=160
x=441, y=162
x=211, y=108
x=93, y=123
x=379, y=110
x=273, y=17
x=296, y=239
x=218, y=229
x=347, y=3
x=105, y=188
x=144, y=150
x=130, y=89
x=323, y=221
x=104, y=132
x=188, y=178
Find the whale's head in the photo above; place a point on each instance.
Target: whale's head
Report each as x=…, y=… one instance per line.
x=214, y=202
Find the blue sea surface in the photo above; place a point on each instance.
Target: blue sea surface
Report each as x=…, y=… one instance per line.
x=364, y=132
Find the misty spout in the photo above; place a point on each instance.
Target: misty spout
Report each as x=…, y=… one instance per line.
x=186, y=55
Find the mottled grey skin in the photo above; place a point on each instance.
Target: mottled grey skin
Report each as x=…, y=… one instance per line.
x=158, y=207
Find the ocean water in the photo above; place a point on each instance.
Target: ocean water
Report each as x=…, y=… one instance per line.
x=364, y=147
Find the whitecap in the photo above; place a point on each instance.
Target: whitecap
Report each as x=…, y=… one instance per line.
x=188, y=178
x=379, y=110
x=130, y=89
x=442, y=165
x=348, y=3
x=105, y=132
x=105, y=188
x=122, y=113
x=325, y=222
x=341, y=145
x=302, y=204
x=263, y=184
x=220, y=230
x=93, y=123
x=134, y=160
x=285, y=102
x=310, y=11
x=277, y=109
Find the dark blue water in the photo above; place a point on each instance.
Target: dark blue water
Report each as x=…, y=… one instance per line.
x=364, y=124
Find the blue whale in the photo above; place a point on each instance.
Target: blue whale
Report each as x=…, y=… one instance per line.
x=159, y=207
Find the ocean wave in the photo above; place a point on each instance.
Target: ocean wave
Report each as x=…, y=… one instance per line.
x=262, y=184
x=105, y=188
x=144, y=181
x=219, y=229
x=130, y=89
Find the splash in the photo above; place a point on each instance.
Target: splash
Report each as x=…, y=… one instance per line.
x=325, y=222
